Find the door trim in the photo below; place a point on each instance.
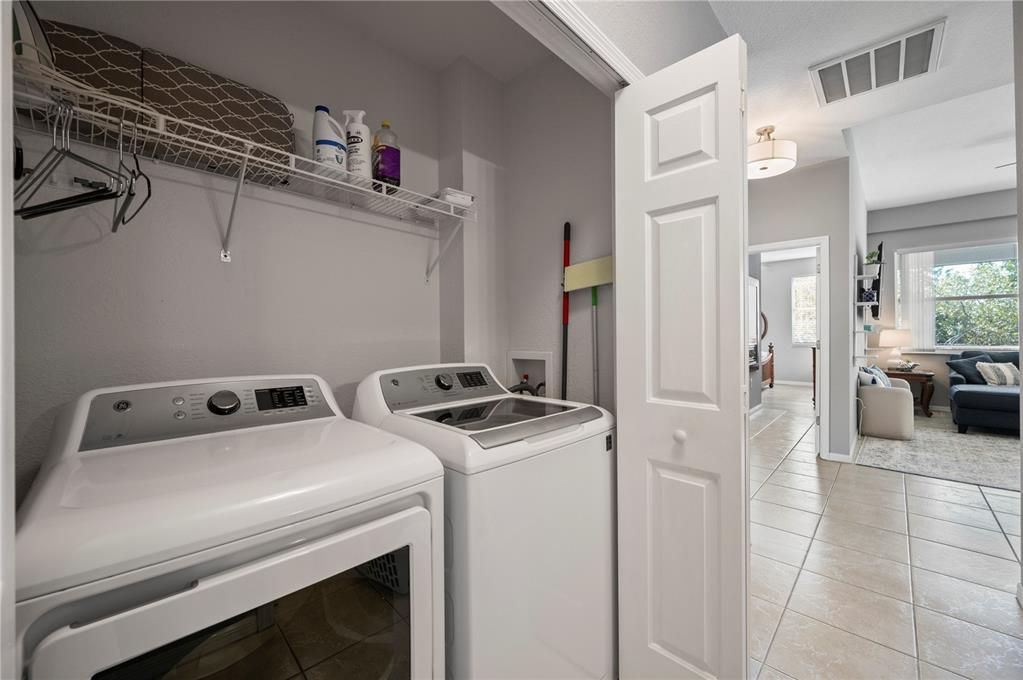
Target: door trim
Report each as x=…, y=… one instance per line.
x=824, y=323
x=564, y=29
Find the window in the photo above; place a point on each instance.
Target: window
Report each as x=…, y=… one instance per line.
x=960, y=297
x=804, y=311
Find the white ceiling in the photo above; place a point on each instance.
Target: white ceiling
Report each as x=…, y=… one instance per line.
x=435, y=34
x=941, y=151
x=786, y=38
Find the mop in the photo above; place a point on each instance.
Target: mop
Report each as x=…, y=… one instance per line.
x=590, y=274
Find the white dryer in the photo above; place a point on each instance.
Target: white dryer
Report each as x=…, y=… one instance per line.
x=167, y=511
x=529, y=507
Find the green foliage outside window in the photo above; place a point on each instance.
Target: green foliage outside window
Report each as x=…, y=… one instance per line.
x=986, y=321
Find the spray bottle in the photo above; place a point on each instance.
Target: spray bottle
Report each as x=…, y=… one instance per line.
x=360, y=157
x=328, y=139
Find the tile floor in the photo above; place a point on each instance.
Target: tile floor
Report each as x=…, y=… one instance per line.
x=858, y=572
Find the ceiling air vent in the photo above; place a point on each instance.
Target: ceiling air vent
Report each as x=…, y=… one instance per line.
x=890, y=61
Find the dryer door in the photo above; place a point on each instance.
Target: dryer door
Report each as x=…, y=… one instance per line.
x=274, y=618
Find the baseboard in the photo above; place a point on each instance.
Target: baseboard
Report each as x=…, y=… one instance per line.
x=838, y=457
x=943, y=409
x=794, y=383
x=756, y=408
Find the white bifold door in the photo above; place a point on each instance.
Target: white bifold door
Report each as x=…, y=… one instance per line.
x=682, y=367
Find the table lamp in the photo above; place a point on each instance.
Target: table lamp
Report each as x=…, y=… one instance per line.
x=895, y=339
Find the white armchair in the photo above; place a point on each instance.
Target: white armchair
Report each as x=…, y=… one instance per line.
x=887, y=412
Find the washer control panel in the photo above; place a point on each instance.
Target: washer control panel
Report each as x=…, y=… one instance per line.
x=426, y=386
x=151, y=414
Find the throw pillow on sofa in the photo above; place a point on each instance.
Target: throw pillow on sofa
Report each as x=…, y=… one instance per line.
x=968, y=368
x=999, y=374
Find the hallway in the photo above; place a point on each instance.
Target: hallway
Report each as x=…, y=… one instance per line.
x=858, y=572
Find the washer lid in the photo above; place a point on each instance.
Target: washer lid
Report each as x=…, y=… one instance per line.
x=101, y=513
x=502, y=421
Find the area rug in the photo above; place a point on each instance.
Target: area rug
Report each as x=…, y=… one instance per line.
x=984, y=457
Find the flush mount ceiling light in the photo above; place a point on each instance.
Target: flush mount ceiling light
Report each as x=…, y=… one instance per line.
x=768, y=156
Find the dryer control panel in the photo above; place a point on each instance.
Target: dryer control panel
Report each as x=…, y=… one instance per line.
x=148, y=414
x=438, y=385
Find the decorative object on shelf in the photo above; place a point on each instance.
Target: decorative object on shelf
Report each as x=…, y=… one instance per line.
x=769, y=157
x=872, y=265
x=895, y=339
x=868, y=295
x=905, y=366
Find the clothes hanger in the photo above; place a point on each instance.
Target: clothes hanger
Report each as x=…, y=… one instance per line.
x=138, y=172
x=114, y=190
x=120, y=210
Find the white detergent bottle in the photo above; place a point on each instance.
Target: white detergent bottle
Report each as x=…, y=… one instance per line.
x=328, y=139
x=360, y=155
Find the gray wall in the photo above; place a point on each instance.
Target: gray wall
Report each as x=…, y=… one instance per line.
x=969, y=219
x=791, y=364
x=807, y=202
x=655, y=34
x=560, y=136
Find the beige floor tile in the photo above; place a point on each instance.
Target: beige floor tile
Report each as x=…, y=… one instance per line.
x=859, y=483
x=865, y=472
x=870, y=515
x=793, y=498
x=768, y=673
x=929, y=672
x=753, y=669
x=823, y=468
x=995, y=609
x=758, y=475
x=763, y=461
x=882, y=619
x=1015, y=541
x=923, y=479
x=887, y=544
x=1009, y=523
x=953, y=512
x=801, y=482
x=966, y=495
x=860, y=569
x=802, y=455
x=992, y=491
x=778, y=545
x=763, y=620
x=961, y=536
x=881, y=499
x=771, y=580
x=966, y=648
x=805, y=648
x=965, y=564
x=785, y=518
x=1004, y=504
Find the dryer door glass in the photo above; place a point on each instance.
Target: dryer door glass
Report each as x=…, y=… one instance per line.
x=351, y=625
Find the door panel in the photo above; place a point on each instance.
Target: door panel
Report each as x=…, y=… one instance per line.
x=680, y=243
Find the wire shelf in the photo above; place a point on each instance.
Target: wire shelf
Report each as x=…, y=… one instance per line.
x=104, y=120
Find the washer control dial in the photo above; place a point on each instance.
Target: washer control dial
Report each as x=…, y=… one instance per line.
x=223, y=403
x=443, y=381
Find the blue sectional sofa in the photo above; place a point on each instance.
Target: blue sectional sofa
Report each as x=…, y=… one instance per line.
x=983, y=405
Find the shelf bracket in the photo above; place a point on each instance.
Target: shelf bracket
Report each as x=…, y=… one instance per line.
x=443, y=249
x=225, y=250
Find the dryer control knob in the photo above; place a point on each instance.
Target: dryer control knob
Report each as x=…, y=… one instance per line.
x=443, y=381
x=224, y=403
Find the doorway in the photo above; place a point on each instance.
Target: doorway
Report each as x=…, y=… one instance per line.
x=790, y=355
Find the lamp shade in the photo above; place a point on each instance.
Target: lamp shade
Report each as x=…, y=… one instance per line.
x=895, y=337
x=768, y=157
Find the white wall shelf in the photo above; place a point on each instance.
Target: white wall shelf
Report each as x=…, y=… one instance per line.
x=45, y=100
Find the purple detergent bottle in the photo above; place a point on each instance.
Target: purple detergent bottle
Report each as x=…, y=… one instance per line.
x=386, y=157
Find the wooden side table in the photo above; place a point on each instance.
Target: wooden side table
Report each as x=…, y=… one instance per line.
x=926, y=381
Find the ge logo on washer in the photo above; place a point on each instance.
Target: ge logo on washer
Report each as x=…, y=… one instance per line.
x=122, y=406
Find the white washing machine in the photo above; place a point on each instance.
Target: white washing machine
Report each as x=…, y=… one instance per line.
x=172, y=519
x=529, y=506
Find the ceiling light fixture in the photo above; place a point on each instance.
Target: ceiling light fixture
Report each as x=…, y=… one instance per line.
x=768, y=156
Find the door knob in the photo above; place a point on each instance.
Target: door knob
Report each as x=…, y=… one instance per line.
x=680, y=436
